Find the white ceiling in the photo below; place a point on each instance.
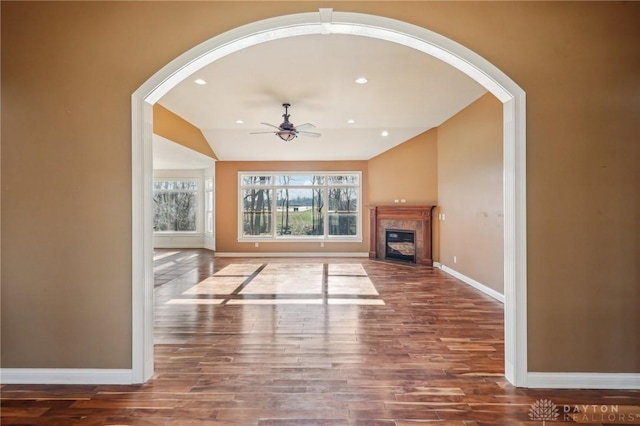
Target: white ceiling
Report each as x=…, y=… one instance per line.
x=408, y=93
x=168, y=155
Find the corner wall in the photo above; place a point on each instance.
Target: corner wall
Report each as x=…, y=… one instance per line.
x=408, y=172
x=470, y=193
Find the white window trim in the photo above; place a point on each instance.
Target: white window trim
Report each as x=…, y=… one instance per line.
x=302, y=239
x=208, y=191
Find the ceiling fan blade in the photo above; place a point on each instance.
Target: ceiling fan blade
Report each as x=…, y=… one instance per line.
x=305, y=126
x=259, y=133
x=287, y=131
x=271, y=125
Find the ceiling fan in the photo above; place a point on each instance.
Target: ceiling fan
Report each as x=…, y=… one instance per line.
x=287, y=131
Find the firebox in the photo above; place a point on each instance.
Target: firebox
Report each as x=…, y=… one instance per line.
x=400, y=245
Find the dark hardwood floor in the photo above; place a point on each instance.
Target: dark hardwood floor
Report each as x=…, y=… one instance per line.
x=308, y=342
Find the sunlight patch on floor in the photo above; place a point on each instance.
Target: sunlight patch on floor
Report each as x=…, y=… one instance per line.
x=355, y=301
x=195, y=301
x=216, y=285
x=351, y=285
x=285, y=284
x=241, y=269
x=275, y=302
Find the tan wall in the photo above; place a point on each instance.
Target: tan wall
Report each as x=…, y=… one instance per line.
x=175, y=128
x=408, y=171
x=227, y=206
x=68, y=72
x=470, y=192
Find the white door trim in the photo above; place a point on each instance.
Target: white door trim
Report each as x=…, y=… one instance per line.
x=326, y=21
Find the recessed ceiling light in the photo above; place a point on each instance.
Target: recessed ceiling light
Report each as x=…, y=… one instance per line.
x=384, y=133
x=351, y=121
x=361, y=80
x=239, y=122
x=200, y=81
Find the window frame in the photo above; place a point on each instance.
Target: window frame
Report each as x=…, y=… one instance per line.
x=274, y=187
x=199, y=202
x=209, y=206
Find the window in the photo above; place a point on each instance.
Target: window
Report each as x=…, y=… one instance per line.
x=299, y=206
x=175, y=205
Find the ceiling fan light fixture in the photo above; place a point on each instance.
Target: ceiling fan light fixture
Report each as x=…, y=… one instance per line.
x=286, y=131
x=286, y=135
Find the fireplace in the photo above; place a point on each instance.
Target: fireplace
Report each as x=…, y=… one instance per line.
x=400, y=245
x=415, y=219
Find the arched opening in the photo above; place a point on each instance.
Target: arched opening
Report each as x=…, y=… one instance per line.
x=328, y=22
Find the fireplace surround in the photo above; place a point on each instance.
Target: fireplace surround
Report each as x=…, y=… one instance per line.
x=401, y=218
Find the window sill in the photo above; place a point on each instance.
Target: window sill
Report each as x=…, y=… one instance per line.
x=177, y=234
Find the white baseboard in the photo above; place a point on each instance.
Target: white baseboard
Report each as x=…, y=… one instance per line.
x=290, y=254
x=473, y=283
x=583, y=380
x=65, y=376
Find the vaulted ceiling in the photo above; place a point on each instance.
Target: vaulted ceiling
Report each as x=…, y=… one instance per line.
x=407, y=92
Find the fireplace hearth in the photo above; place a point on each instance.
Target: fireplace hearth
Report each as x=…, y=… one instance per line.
x=400, y=245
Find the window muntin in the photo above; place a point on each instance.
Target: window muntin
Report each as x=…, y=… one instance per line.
x=300, y=206
x=175, y=205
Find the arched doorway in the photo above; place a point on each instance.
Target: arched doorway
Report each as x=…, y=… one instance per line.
x=326, y=21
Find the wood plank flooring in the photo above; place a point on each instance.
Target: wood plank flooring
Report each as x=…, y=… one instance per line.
x=431, y=354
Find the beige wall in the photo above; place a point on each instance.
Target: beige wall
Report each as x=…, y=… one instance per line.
x=68, y=72
x=408, y=171
x=227, y=206
x=470, y=192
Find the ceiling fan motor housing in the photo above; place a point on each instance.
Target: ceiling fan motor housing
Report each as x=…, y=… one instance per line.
x=286, y=125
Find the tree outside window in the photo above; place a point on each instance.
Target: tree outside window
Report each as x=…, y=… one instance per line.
x=343, y=211
x=175, y=206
